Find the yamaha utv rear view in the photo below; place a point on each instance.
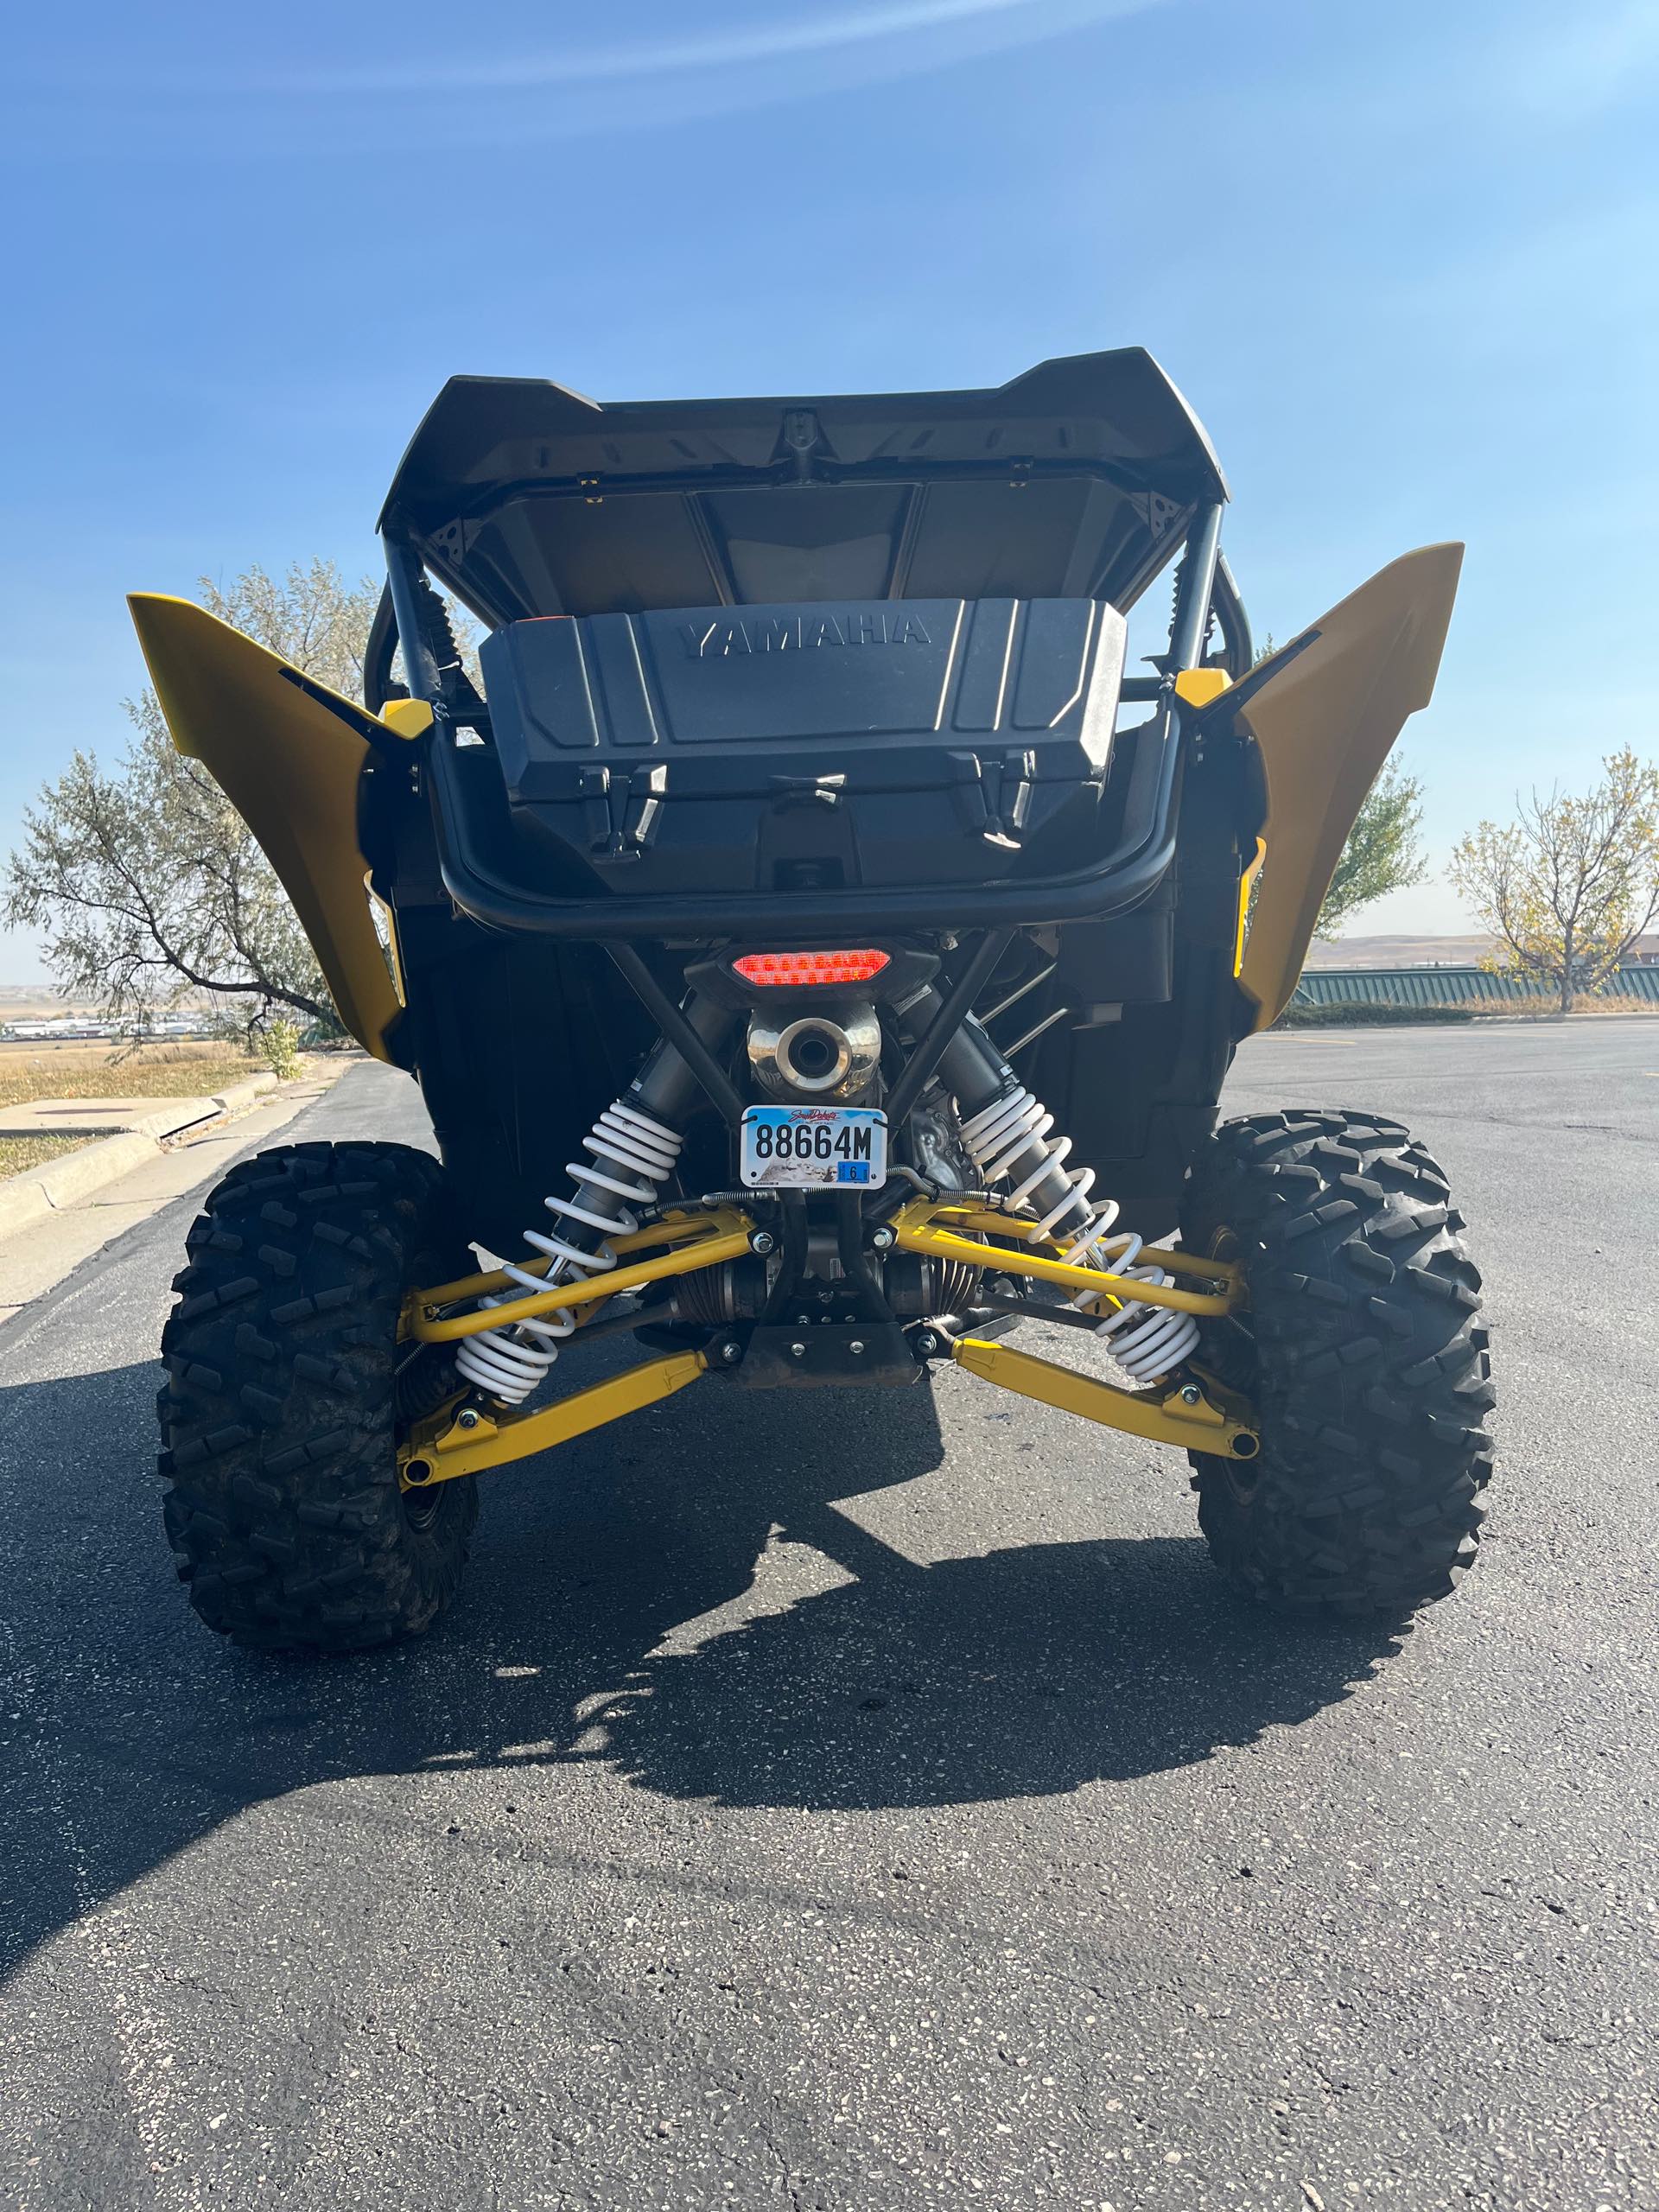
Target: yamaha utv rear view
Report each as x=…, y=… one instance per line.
x=818, y=950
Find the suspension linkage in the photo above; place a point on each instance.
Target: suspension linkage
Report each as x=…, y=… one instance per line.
x=1198, y=1413
x=1192, y=1409
x=947, y=1233
x=693, y=1240
x=446, y=1445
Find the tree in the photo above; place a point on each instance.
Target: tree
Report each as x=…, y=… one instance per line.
x=1569, y=886
x=145, y=882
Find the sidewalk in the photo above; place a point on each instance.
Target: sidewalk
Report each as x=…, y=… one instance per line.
x=40, y=1254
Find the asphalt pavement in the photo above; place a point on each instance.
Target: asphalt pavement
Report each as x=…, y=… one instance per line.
x=852, y=1803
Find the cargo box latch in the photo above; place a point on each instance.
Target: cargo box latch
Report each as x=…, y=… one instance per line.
x=621, y=812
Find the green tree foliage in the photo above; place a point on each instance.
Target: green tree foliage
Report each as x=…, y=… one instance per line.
x=145, y=884
x=280, y=1044
x=1569, y=884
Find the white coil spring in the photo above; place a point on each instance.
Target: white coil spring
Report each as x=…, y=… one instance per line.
x=632, y=1155
x=1146, y=1341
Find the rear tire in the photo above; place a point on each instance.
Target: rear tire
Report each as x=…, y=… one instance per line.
x=1362, y=1351
x=277, y=1417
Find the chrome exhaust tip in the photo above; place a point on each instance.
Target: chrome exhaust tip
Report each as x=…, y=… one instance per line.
x=815, y=1056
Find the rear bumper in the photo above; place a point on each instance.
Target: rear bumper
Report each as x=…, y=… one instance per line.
x=1122, y=879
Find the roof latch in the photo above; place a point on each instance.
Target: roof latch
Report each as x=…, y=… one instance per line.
x=802, y=434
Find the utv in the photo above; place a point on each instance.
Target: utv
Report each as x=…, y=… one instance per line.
x=817, y=929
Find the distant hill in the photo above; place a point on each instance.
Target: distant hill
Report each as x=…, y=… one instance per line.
x=33, y=1001
x=40, y=1002
x=1399, y=952
x=1420, y=951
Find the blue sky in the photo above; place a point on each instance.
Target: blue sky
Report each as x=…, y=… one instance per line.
x=1403, y=261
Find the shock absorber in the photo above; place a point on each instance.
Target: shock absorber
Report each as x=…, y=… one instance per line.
x=633, y=1154
x=1006, y=1132
x=633, y=1147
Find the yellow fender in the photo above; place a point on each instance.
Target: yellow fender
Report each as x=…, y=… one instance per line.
x=1325, y=713
x=286, y=753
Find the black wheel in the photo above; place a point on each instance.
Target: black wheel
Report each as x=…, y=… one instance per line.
x=1363, y=1349
x=277, y=1417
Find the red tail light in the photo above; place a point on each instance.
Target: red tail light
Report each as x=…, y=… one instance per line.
x=795, y=968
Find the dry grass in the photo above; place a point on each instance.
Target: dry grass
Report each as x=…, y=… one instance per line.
x=1588, y=1003
x=19, y=1153
x=1617, y=1002
x=33, y=1071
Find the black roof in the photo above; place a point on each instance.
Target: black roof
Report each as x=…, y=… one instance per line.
x=1078, y=478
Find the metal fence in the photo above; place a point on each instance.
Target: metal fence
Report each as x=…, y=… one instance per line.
x=1452, y=987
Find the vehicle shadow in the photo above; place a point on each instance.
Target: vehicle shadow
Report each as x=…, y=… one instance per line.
x=582, y=1635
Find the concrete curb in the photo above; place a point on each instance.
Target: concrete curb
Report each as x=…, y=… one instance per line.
x=241, y=1095
x=29, y=1197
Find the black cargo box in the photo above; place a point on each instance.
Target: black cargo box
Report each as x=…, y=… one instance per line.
x=811, y=745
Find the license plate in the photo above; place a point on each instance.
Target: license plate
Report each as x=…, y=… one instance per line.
x=814, y=1148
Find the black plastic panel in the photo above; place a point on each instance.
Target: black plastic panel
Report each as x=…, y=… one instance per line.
x=1078, y=479
x=833, y=744
x=737, y=678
